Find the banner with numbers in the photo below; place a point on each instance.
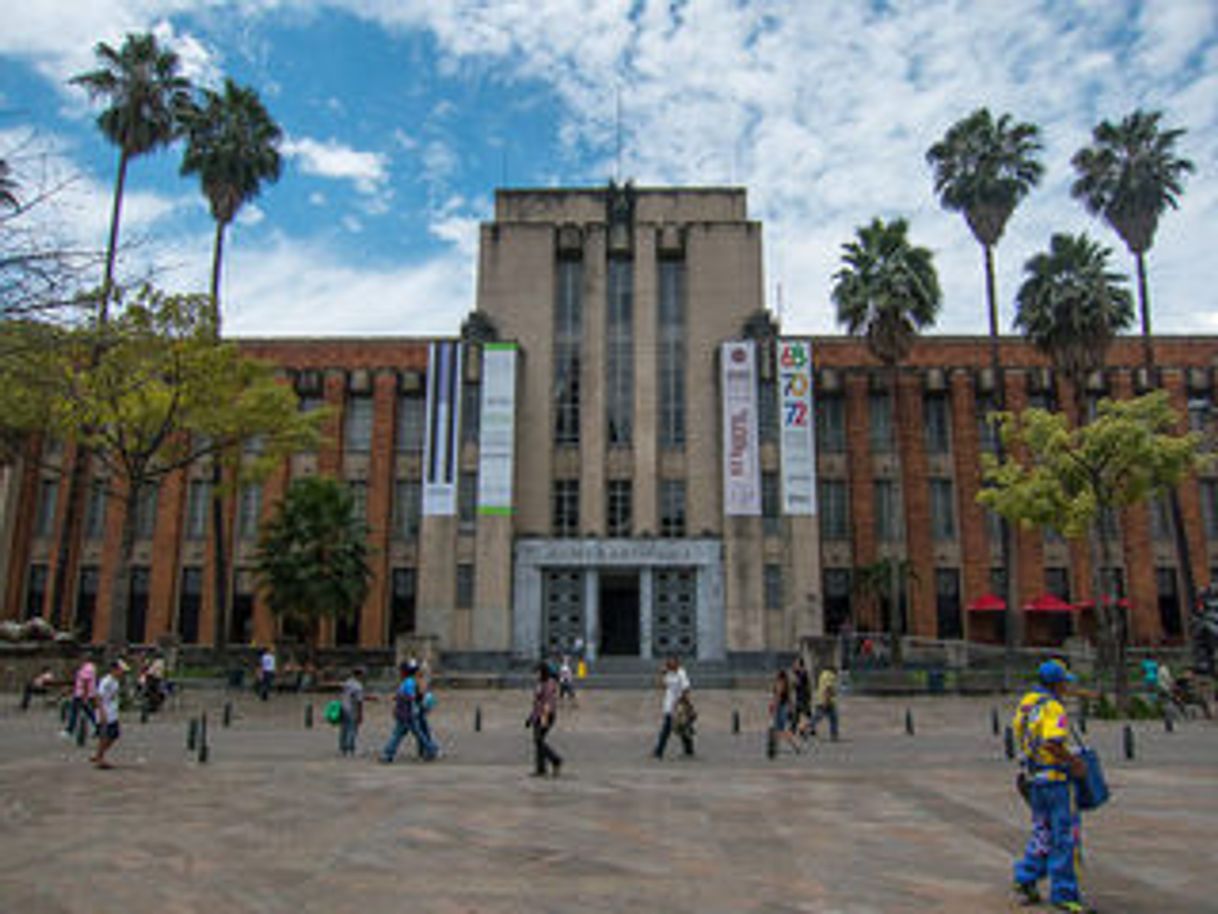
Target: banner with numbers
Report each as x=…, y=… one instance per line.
x=796, y=441
x=443, y=429
x=741, y=463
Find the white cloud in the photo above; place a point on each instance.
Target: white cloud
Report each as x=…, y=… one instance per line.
x=368, y=171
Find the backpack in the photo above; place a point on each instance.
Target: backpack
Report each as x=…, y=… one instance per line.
x=334, y=712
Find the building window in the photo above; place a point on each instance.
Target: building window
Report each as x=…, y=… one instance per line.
x=467, y=502
x=771, y=517
x=48, y=495
x=887, y=511
x=565, y=507
x=942, y=510
x=95, y=511
x=767, y=411
x=198, y=498
x=471, y=412
x=253, y=445
x=1109, y=524
x=402, y=602
x=145, y=512
x=670, y=369
x=1057, y=582
x=1169, y=601
x=1052, y=536
x=879, y=410
x=998, y=581
x=837, y=598
x=412, y=423
x=619, y=507
x=241, y=619
x=407, y=509
x=947, y=602
x=86, y=602
x=987, y=431
x=359, y=500
x=773, y=587
x=993, y=527
x=1200, y=412
x=938, y=424
x=346, y=628
x=672, y=507
x=465, y=586
x=831, y=424
x=137, y=607
x=35, y=590
x=1209, y=507
x=357, y=425
x=249, y=512
x=568, y=335
x=834, y=509
x=190, y=601
x=307, y=404
x=619, y=353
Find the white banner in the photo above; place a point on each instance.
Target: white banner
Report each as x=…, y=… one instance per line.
x=741, y=464
x=497, y=434
x=798, y=449
x=442, y=445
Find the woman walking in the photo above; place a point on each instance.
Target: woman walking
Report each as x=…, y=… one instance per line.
x=781, y=706
x=545, y=708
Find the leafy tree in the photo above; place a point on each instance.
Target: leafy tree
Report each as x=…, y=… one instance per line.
x=887, y=291
x=1129, y=176
x=312, y=557
x=147, y=395
x=873, y=584
x=1067, y=477
x=1071, y=306
x=147, y=98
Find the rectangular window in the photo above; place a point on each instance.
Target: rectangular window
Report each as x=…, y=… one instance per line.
x=834, y=509
x=670, y=370
x=190, y=601
x=773, y=587
x=947, y=602
x=357, y=425
x=672, y=507
x=998, y=581
x=241, y=619
x=346, y=629
x=359, y=500
x=1057, y=582
x=309, y=403
x=407, y=509
x=1052, y=536
x=987, y=431
x=198, y=500
x=471, y=412
x=137, y=607
x=467, y=502
x=938, y=424
x=249, y=512
x=254, y=445
x=565, y=508
x=993, y=527
x=1200, y=411
x=887, y=511
x=35, y=590
x=837, y=599
x=831, y=424
x=1169, y=602
x=1109, y=524
x=465, y=586
x=1160, y=519
x=48, y=495
x=942, y=510
x=412, y=423
x=767, y=411
x=568, y=341
x=145, y=512
x=1209, y=507
x=879, y=411
x=619, y=353
x=95, y=511
x=619, y=507
x=86, y=602
x=402, y=602
x=771, y=515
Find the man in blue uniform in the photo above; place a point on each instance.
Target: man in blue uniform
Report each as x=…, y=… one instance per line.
x=1041, y=731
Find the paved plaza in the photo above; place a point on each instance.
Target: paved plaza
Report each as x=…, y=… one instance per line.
x=276, y=821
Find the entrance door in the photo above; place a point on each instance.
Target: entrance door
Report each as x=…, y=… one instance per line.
x=619, y=614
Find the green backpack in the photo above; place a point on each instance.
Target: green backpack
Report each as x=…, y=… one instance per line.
x=334, y=712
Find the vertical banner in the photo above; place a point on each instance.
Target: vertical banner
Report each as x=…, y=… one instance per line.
x=497, y=433
x=443, y=429
x=741, y=465
x=796, y=440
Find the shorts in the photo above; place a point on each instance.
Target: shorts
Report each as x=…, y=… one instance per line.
x=782, y=717
x=110, y=730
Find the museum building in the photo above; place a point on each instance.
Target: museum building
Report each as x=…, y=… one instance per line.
x=622, y=449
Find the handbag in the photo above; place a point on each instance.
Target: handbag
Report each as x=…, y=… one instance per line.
x=334, y=712
x=1091, y=790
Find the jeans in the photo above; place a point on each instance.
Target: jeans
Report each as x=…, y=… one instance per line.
x=348, y=730
x=266, y=682
x=687, y=742
x=1050, y=849
x=400, y=729
x=542, y=751
x=75, y=709
x=426, y=744
x=829, y=711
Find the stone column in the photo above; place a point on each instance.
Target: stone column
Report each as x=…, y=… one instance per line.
x=592, y=611
x=646, y=602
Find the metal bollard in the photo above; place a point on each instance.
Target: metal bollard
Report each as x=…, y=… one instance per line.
x=735, y=721
x=192, y=734
x=909, y=721
x=478, y=719
x=771, y=743
x=1008, y=742
x=144, y=714
x=1082, y=720
x=1168, y=723
x=204, y=750
x=1128, y=741
x=308, y=717
x=994, y=721
x=228, y=714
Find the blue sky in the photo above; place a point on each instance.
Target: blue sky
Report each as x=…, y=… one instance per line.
x=402, y=117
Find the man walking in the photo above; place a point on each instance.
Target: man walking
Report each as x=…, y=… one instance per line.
x=676, y=690
x=541, y=719
x=84, y=691
x=1041, y=730
x=352, y=711
x=266, y=673
x=826, y=701
x=406, y=716
x=107, y=700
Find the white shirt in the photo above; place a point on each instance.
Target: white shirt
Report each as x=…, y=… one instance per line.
x=107, y=693
x=676, y=682
x=268, y=662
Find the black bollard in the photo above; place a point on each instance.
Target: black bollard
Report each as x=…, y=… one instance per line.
x=204, y=750
x=26, y=693
x=192, y=734
x=909, y=722
x=228, y=714
x=81, y=732
x=994, y=721
x=1168, y=724
x=735, y=721
x=308, y=717
x=1129, y=747
x=478, y=719
x=1008, y=742
x=143, y=714
x=771, y=743
x=63, y=711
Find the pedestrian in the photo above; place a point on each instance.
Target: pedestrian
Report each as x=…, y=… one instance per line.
x=406, y=704
x=801, y=683
x=84, y=689
x=352, y=711
x=427, y=747
x=566, y=680
x=1041, y=730
x=826, y=701
x=266, y=672
x=782, y=710
x=107, y=701
x=675, y=682
x=541, y=719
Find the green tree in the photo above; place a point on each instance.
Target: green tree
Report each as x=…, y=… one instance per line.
x=1067, y=477
x=1129, y=176
x=147, y=98
x=147, y=395
x=312, y=556
x=873, y=584
x=887, y=291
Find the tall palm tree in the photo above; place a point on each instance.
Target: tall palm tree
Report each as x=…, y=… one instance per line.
x=8, y=187
x=147, y=97
x=887, y=291
x=233, y=146
x=1129, y=176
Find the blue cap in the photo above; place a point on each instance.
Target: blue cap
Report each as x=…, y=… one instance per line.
x=1052, y=672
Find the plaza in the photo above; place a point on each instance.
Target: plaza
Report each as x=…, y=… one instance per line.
x=881, y=821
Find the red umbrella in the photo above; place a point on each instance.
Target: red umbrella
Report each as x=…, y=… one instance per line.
x=1123, y=603
x=987, y=602
x=1048, y=603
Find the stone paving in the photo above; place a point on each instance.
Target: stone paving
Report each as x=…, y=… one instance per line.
x=879, y=822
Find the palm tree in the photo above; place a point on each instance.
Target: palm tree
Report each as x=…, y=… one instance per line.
x=1129, y=176
x=233, y=146
x=147, y=98
x=887, y=290
x=8, y=187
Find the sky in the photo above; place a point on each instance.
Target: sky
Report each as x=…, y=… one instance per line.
x=402, y=117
